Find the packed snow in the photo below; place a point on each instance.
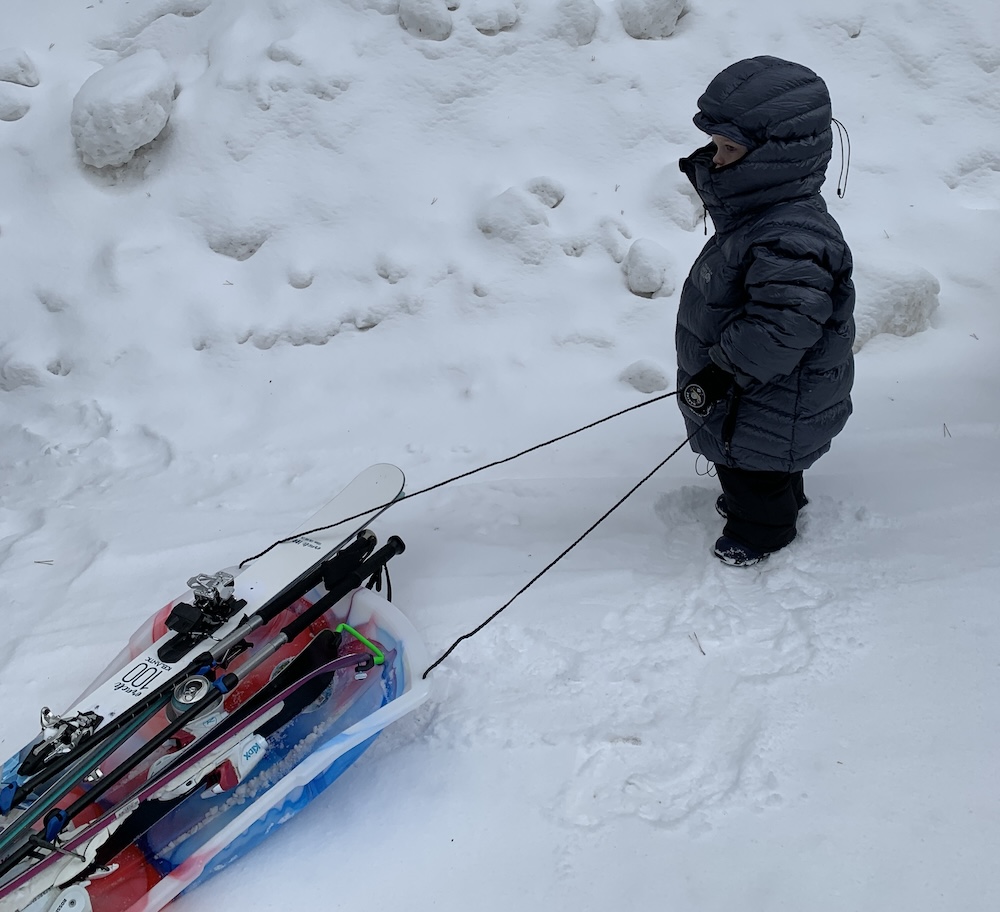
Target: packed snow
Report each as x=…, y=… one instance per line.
x=250, y=247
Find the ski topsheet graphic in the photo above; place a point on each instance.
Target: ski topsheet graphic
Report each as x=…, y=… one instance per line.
x=230, y=709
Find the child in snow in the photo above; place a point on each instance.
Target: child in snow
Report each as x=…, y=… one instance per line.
x=765, y=326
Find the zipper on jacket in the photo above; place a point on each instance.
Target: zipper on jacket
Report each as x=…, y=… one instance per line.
x=729, y=422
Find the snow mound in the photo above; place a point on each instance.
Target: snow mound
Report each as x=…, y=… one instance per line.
x=646, y=377
x=15, y=373
x=572, y=21
x=898, y=299
x=12, y=107
x=616, y=238
x=121, y=108
x=550, y=193
x=517, y=218
x=429, y=19
x=650, y=19
x=647, y=269
x=16, y=67
x=576, y=21
x=491, y=17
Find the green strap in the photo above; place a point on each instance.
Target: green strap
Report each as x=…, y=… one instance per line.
x=376, y=652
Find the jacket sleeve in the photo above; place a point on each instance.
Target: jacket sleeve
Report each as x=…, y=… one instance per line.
x=789, y=300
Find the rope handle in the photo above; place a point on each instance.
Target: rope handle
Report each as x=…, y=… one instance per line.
x=448, y=481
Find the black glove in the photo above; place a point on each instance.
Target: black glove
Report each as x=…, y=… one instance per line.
x=706, y=388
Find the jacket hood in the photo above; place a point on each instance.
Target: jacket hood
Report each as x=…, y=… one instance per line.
x=781, y=112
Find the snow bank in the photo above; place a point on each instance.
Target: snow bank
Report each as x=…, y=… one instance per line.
x=121, y=108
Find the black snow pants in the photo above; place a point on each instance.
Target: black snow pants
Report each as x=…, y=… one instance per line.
x=762, y=507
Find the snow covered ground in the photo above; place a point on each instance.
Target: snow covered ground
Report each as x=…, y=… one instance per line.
x=405, y=231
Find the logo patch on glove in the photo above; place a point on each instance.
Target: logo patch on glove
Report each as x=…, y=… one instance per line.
x=694, y=396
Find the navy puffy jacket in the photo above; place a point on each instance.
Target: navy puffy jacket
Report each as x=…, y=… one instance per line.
x=770, y=298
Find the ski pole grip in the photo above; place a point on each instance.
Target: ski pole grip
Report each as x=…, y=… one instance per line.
x=329, y=567
x=346, y=583
x=396, y=543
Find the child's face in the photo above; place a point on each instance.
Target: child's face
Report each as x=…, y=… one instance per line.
x=727, y=152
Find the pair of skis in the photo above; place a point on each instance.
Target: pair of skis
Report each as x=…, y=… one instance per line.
x=181, y=673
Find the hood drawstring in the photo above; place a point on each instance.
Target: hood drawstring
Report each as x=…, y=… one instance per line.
x=845, y=162
x=704, y=217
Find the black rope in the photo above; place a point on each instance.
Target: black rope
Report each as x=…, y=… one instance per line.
x=559, y=557
x=447, y=481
